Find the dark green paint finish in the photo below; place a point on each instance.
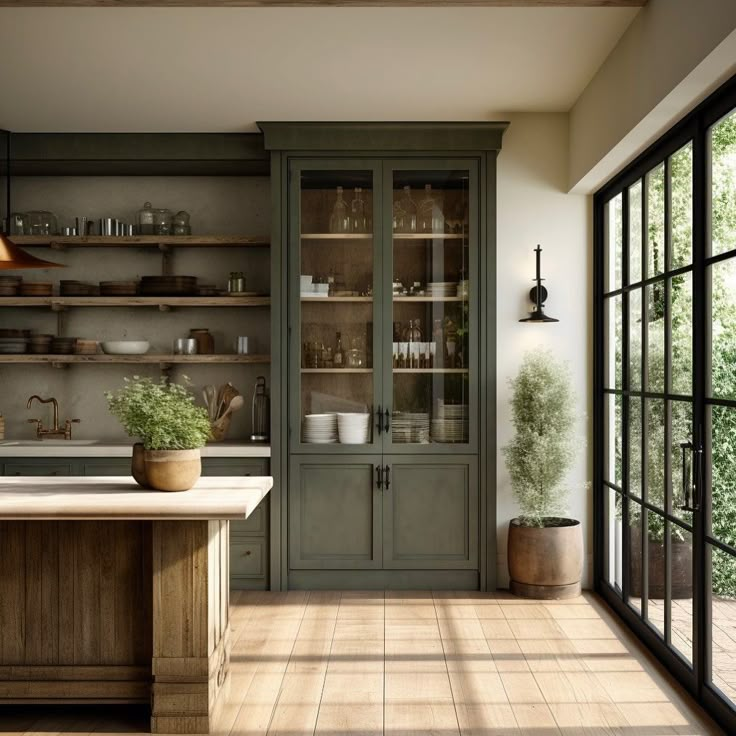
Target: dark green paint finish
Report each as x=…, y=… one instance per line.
x=384, y=580
x=404, y=137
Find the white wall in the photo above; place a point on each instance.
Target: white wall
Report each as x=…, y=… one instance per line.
x=533, y=207
x=674, y=53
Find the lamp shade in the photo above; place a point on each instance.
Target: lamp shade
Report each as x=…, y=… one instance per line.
x=12, y=257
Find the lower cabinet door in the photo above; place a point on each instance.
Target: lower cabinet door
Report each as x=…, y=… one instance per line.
x=430, y=513
x=34, y=467
x=334, y=513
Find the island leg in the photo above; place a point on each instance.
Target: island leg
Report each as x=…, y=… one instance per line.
x=191, y=624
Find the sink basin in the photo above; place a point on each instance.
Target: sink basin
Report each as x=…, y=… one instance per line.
x=48, y=443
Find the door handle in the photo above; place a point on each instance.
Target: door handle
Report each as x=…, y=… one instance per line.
x=692, y=466
x=387, y=481
x=379, y=426
x=387, y=419
x=379, y=477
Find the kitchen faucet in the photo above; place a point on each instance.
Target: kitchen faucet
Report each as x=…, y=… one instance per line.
x=55, y=431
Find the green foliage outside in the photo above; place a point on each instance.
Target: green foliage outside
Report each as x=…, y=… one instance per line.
x=544, y=446
x=647, y=309
x=162, y=415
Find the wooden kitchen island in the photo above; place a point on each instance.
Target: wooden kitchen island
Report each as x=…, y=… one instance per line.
x=114, y=594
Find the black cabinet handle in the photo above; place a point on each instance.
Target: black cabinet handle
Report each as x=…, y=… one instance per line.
x=379, y=427
x=387, y=417
x=387, y=482
x=379, y=477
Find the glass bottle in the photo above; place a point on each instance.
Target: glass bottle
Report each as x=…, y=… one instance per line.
x=145, y=219
x=162, y=221
x=407, y=221
x=338, y=358
x=340, y=217
x=181, y=224
x=358, y=220
x=430, y=218
x=439, y=344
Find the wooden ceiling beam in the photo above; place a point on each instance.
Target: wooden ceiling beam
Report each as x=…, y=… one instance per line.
x=323, y=3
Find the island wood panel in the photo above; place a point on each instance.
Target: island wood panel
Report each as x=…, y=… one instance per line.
x=75, y=610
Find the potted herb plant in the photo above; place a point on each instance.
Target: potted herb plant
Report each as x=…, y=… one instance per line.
x=171, y=429
x=545, y=548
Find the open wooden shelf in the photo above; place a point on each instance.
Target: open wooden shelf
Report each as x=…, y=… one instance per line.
x=332, y=299
x=61, y=302
x=430, y=370
x=337, y=370
x=141, y=241
x=147, y=359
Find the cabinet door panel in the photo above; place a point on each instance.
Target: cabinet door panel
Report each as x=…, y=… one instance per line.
x=334, y=507
x=35, y=468
x=107, y=467
x=430, y=514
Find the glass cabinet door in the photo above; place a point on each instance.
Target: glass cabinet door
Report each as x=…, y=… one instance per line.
x=430, y=344
x=335, y=317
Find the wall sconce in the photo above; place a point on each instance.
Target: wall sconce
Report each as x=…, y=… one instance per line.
x=538, y=294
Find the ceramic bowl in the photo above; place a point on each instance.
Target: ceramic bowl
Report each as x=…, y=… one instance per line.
x=125, y=347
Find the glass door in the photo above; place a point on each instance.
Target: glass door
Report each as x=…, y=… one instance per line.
x=719, y=498
x=430, y=323
x=335, y=320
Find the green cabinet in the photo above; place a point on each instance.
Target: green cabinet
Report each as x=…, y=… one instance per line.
x=249, y=538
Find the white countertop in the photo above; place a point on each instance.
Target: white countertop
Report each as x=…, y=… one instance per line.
x=91, y=448
x=121, y=499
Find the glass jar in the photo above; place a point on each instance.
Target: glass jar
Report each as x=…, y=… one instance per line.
x=144, y=219
x=181, y=224
x=18, y=224
x=430, y=218
x=405, y=215
x=42, y=222
x=358, y=219
x=340, y=217
x=162, y=221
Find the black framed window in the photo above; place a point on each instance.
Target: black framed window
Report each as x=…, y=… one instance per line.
x=665, y=399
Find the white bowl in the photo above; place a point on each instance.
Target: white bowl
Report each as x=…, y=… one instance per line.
x=125, y=347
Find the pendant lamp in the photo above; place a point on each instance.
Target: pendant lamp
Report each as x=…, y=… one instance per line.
x=12, y=257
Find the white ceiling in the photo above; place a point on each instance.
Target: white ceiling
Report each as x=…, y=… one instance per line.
x=221, y=69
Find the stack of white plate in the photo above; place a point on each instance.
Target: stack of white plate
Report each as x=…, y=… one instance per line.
x=320, y=429
x=442, y=288
x=410, y=427
x=13, y=345
x=353, y=428
x=450, y=423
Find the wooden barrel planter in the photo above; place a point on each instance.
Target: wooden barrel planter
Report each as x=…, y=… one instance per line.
x=546, y=562
x=682, y=567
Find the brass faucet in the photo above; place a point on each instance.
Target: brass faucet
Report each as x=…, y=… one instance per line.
x=55, y=431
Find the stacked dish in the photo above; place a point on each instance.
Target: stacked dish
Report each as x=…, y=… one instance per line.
x=10, y=285
x=410, y=427
x=12, y=342
x=320, y=429
x=450, y=423
x=40, y=344
x=85, y=347
x=442, y=288
x=41, y=288
x=168, y=286
x=353, y=428
x=118, y=288
x=63, y=345
x=68, y=287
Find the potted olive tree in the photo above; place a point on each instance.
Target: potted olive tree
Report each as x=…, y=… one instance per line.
x=545, y=549
x=171, y=429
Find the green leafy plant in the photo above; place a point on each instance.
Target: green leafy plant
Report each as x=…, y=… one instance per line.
x=544, y=446
x=161, y=414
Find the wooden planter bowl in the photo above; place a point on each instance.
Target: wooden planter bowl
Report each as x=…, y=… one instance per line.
x=172, y=470
x=546, y=562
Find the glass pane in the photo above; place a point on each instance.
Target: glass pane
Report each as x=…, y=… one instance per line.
x=655, y=221
x=635, y=340
x=655, y=452
x=655, y=336
x=613, y=243
x=681, y=562
x=613, y=546
x=723, y=185
x=682, y=431
x=432, y=284
x=635, y=240
x=635, y=446
x=336, y=286
x=635, y=572
x=723, y=616
x=613, y=471
x=681, y=317
x=681, y=203
x=655, y=570
x=723, y=474
x=723, y=329
x=614, y=331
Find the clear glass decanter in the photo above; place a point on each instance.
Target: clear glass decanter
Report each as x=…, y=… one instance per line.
x=340, y=217
x=358, y=219
x=406, y=221
x=431, y=219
